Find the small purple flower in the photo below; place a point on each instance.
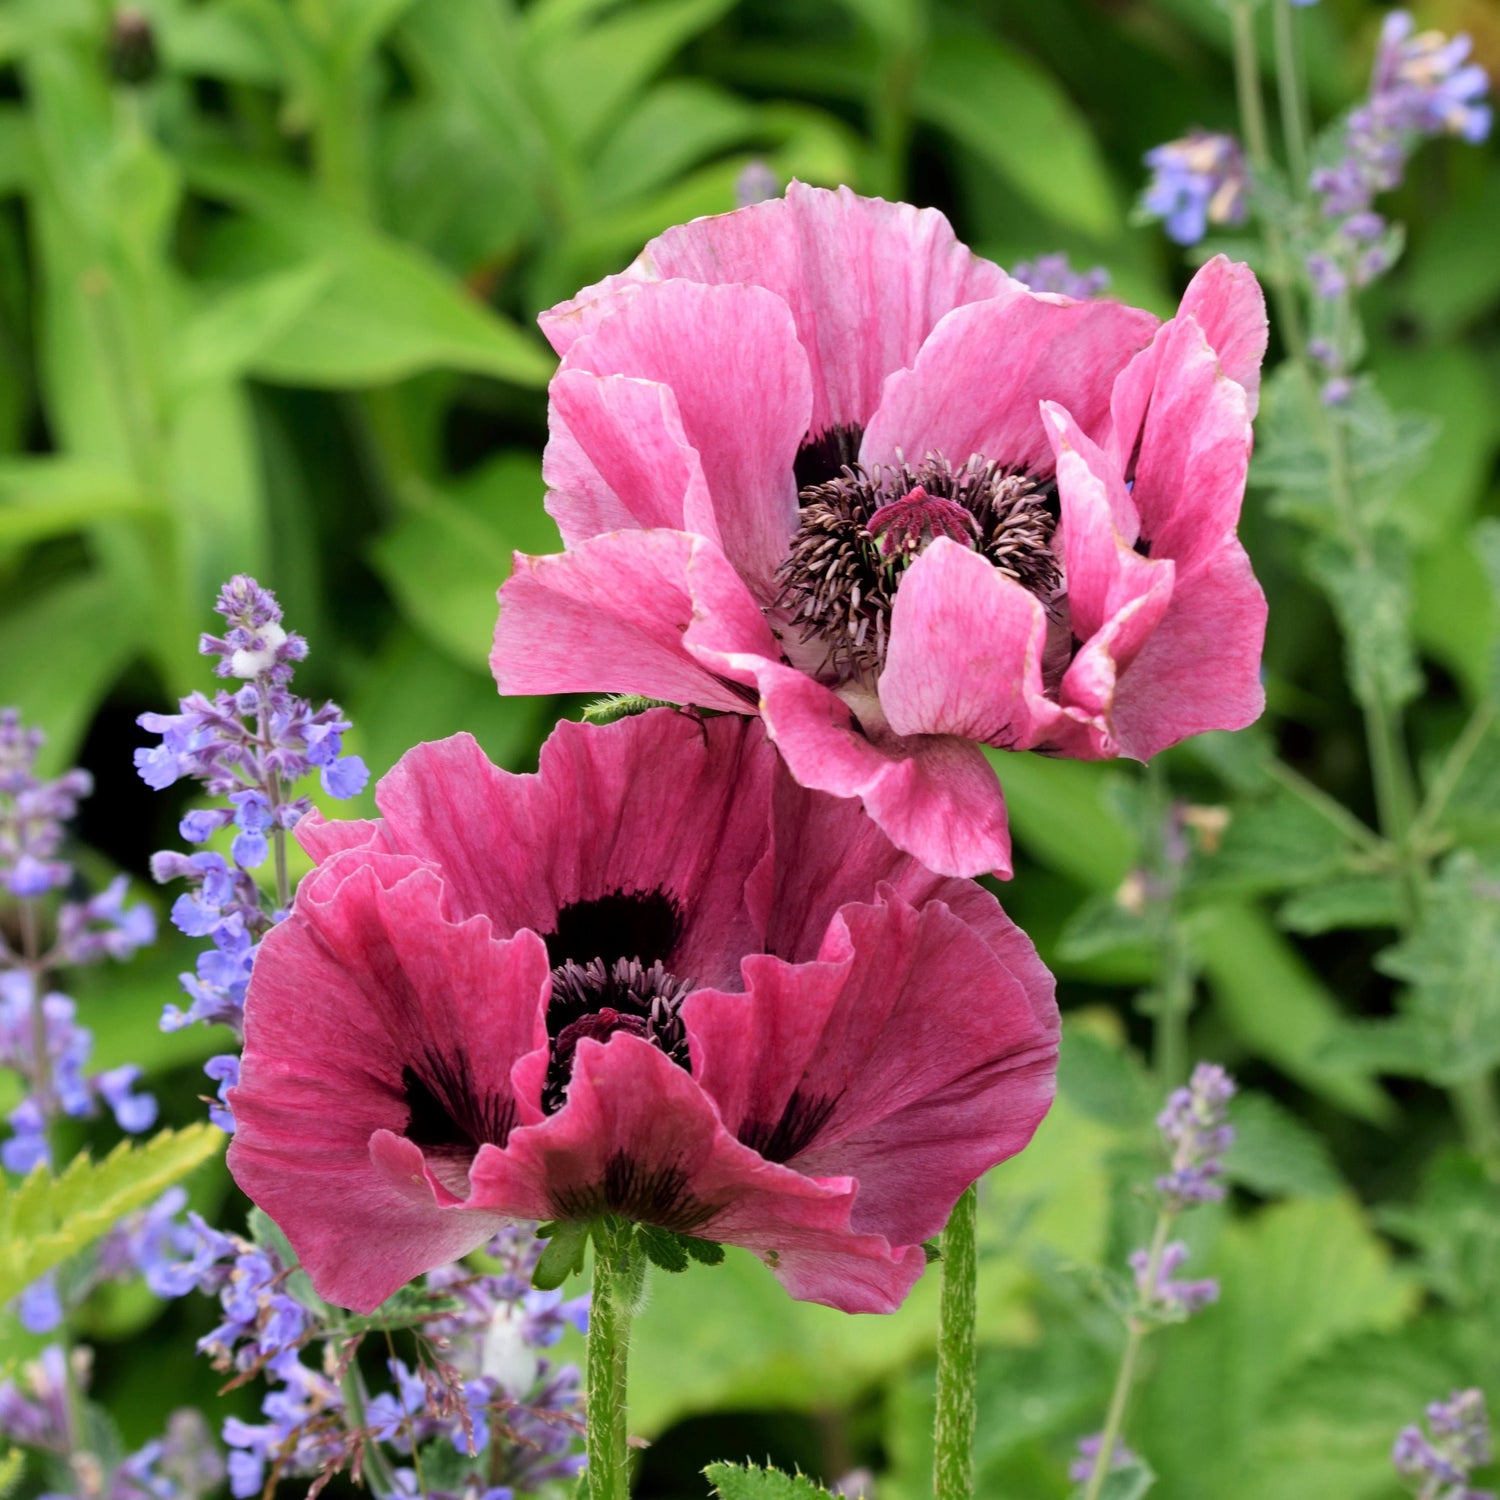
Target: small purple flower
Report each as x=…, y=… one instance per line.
x=1196, y=181
x=1328, y=278
x=1055, y=273
x=1163, y=1296
x=1081, y=1470
x=1437, y=1467
x=756, y=183
x=39, y=1307
x=33, y=812
x=1194, y=1130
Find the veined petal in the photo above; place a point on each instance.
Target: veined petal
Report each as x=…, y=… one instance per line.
x=739, y=378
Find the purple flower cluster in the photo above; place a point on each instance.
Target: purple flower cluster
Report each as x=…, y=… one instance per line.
x=1194, y=1128
x=1081, y=1470
x=1160, y=1294
x=481, y=1388
x=40, y=1039
x=1422, y=86
x=38, y=1411
x=1055, y=273
x=247, y=747
x=1438, y=1467
x=1195, y=182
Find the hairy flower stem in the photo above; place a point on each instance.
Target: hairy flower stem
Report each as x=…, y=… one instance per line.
x=1136, y=1329
x=1258, y=147
x=953, y=1438
x=1291, y=94
x=616, y=1286
x=376, y=1467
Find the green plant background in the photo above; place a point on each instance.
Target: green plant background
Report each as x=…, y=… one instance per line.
x=272, y=312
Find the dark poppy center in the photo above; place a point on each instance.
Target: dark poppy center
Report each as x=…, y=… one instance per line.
x=860, y=528
x=609, y=975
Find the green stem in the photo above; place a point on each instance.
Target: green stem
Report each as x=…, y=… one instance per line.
x=1445, y=783
x=953, y=1468
x=890, y=109
x=377, y=1467
x=608, y=1351
x=1258, y=146
x=1478, y=1112
x=1290, y=94
x=1136, y=1330
x=1175, y=1003
x=1329, y=808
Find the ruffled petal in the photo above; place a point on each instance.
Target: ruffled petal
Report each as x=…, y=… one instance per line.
x=908, y=1047
x=396, y=987
x=965, y=656
x=322, y=837
x=639, y=1137
x=658, y=802
x=1226, y=301
x=866, y=282
x=1200, y=670
x=975, y=386
x=610, y=616
x=932, y=795
x=730, y=358
x=1194, y=450
x=617, y=457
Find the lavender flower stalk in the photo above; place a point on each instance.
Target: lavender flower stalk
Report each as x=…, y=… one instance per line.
x=1196, y=182
x=1195, y=1131
x=1437, y=1467
x=1055, y=273
x=248, y=747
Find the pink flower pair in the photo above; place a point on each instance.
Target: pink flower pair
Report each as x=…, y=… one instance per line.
x=816, y=459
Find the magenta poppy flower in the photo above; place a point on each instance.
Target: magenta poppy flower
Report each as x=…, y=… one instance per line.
x=815, y=459
x=657, y=979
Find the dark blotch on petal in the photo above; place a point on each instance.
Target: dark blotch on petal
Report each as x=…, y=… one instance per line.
x=660, y=1197
x=445, y=1115
x=643, y=925
x=825, y=456
x=780, y=1140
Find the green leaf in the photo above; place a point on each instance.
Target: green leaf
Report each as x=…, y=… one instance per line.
x=1012, y=113
x=1294, y=1281
x=1128, y=1482
x=747, y=1482
x=44, y=497
x=592, y=74
x=1451, y=964
x=1372, y=599
x=563, y=1257
x=1104, y=925
x=12, y=1466
x=230, y=333
x=1356, y=901
x=44, y=1220
x=388, y=310
x=1278, y=1007
x=445, y=558
x=1275, y=1154
x=1103, y=1079
x=1455, y=1226
x=1272, y=845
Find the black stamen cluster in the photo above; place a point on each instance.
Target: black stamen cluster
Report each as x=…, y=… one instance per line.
x=838, y=585
x=596, y=1000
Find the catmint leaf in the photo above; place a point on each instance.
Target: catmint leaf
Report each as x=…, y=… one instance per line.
x=563, y=1255
x=1275, y=1154
x=1371, y=596
x=1454, y=1224
x=1128, y=1482
x=748, y=1482
x=1451, y=964
x=1104, y=925
x=1104, y=1080
x=1356, y=901
x=1271, y=845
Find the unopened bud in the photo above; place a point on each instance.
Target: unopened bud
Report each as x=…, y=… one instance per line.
x=132, y=48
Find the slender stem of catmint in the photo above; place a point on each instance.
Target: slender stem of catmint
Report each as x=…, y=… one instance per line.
x=41, y=1062
x=1290, y=93
x=1328, y=808
x=377, y=1468
x=1445, y=783
x=953, y=1437
x=1136, y=1329
x=608, y=1352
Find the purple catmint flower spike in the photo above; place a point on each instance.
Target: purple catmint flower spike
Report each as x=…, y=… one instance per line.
x=1194, y=1127
x=248, y=747
x=1196, y=182
x=1055, y=273
x=1436, y=1464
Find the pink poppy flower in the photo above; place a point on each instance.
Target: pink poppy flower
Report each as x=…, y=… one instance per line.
x=815, y=459
x=658, y=979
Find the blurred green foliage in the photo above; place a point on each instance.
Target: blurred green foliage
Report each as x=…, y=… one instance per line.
x=269, y=309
